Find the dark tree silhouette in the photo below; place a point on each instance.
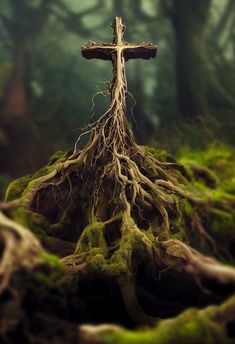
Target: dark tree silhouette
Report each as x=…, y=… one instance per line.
x=199, y=88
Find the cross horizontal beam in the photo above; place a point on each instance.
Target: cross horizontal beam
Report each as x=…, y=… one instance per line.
x=129, y=51
x=109, y=51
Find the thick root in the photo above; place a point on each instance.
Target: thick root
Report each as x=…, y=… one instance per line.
x=197, y=264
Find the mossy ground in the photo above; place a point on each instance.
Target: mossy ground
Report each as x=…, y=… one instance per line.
x=124, y=252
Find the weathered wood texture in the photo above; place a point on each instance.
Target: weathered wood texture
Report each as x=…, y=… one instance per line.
x=109, y=51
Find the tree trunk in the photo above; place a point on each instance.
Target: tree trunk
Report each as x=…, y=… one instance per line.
x=189, y=19
x=17, y=94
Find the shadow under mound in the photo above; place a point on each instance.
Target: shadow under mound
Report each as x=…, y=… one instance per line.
x=104, y=302
x=163, y=296
x=169, y=293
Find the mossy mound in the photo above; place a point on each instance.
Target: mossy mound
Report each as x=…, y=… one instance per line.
x=139, y=247
x=215, y=167
x=218, y=160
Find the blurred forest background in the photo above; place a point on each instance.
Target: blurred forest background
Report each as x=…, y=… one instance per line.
x=185, y=97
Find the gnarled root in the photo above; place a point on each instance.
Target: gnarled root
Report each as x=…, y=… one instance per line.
x=127, y=287
x=124, y=190
x=199, y=266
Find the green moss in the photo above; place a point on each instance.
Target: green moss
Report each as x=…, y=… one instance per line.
x=192, y=326
x=164, y=156
x=178, y=229
x=229, y=185
x=221, y=225
x=58, y=156
x=45, y=170
x=51, y=275
x=160, y=154
x=52, y=260
x=114, y=262
x=92, y=238
x=218, y=160
x=212, y=154
x=34, y=221
x=208, y=176
x=16, y=188
x=183, y=206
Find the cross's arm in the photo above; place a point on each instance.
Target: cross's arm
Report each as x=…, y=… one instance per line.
x=98, y=51
x=139, y=51
x=130, y=51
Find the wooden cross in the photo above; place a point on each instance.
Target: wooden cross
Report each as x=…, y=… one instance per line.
x=118, y=52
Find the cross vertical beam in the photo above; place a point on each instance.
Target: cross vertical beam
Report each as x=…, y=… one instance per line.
x=118, y=52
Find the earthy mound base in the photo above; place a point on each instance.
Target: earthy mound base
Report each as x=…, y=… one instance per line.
x=140, y=237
